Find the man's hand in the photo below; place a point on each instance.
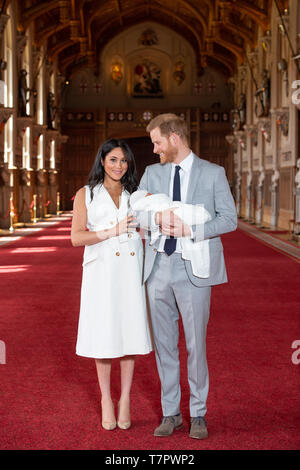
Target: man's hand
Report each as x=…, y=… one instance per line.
x=171, y=225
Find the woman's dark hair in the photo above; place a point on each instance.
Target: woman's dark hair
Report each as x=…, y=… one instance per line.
x=96, y=176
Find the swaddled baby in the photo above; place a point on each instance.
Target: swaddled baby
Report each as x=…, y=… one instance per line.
x=196, y=252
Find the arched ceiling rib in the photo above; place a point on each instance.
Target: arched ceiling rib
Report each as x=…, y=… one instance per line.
x=210, y=26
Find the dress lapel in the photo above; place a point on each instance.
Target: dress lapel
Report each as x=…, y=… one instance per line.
x=110, y=199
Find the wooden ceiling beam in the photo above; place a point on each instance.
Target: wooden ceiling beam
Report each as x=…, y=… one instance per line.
x=195, y=14
x=118, y=6
x=32, y=13
x=163, y=10
x=236, y=50
x=257, y=14
x=66, y=62
x=200, y=22
x=225, y=61
x=46, y=33
x=54, y=51
x=246, y=34
x=218, y=38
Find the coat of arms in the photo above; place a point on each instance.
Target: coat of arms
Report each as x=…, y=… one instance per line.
x=148, y=38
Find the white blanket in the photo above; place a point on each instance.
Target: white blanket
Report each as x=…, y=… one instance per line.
x=195, y=252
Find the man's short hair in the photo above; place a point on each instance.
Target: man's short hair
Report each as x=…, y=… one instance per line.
x=169, y=123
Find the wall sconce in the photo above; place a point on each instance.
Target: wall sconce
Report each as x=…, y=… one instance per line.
x=179, y=74
x=116, y=73
x=283, y=68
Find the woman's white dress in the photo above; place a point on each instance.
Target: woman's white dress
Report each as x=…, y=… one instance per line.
x=113, y=319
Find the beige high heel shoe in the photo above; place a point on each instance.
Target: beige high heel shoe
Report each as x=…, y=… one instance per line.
x=108, y=425
x=122, y=424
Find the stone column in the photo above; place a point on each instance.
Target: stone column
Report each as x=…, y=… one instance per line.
x=275, y=199
x=249, y=196
x=24, y=196
x=259, y=204
x=5, y=192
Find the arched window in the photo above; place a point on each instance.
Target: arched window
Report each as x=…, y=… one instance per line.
x=26, y=137
x=26, y=66
x=40, y=153
x=40, y=91
x=52, y=154
x=26, y=149
x=41, y=115
x=8, y=90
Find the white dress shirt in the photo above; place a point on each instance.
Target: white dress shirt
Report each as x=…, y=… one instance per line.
x=184, y=174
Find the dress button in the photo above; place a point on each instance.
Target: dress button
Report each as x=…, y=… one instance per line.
x=132, y=253
x=117, y=254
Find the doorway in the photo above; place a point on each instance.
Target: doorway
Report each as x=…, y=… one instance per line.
x=142, y=149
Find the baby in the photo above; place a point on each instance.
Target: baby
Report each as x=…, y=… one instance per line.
x=196, y=252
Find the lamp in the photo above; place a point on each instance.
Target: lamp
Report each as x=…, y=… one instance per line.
x=116, y=72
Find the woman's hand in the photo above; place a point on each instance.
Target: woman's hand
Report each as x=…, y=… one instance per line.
x=126, y=224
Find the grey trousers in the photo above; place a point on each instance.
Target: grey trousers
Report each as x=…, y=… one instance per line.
x=170, y=292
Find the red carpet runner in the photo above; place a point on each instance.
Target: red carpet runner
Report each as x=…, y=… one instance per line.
x=50, y=398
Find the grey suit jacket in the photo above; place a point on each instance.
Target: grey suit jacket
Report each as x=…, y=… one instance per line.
x=208, y=185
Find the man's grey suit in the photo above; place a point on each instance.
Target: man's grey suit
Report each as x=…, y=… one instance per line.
x=172, y=287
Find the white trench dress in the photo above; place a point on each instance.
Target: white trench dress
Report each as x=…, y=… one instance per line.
x=113, y=319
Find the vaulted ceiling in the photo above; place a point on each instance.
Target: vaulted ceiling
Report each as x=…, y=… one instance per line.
x=75, y=31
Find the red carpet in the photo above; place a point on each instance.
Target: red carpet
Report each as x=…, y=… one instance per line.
x=50, y=397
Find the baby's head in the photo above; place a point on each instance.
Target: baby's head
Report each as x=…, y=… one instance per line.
x=139, y=194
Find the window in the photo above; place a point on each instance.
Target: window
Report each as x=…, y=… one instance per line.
x=52, y=154
x=8, y=91
x=26, y=149
x=40, y=155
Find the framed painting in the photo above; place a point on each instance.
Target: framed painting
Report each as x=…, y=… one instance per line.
x=147, y=80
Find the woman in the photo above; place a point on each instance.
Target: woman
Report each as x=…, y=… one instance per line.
x=113, y=320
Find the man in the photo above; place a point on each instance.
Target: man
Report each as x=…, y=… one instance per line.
x=172, y=287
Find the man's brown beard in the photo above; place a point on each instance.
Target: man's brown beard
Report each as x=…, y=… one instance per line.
x=169, y=155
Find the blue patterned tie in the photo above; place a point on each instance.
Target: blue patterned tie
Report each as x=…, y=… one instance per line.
x=170, y=243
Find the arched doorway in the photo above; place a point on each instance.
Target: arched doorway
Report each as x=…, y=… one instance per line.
x=142, y=149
